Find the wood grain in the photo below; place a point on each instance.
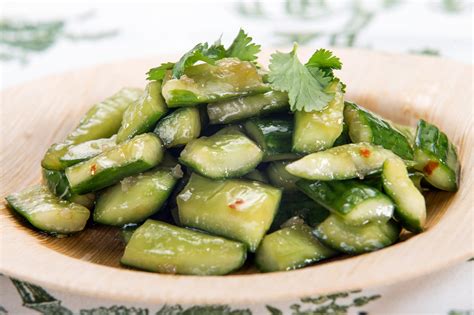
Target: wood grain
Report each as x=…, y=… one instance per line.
x=401, y=87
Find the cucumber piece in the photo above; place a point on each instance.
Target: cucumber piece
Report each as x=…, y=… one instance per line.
x=87, y=150
x=161, y=247
x=237, y=209
x=417, y=179
x=365, y=126
x=279, y=176
x=296, y=204
x=131, y=157
x=127, y=232
x=240, y=108
x=342, y=162
x=273, y=135
x=436, y=157
x=318, y=130
x=344, y=137
x=356, y=203
x=206, y=83
x=257, y=175
x=47, y=212
x=290, y=248
x=134, y=198
x=57, y=183
x=228, y=153
x=410, y=204
x=179, y=127
x=101, y=121
x=142, y=115
x=336, y=234
x=408, y=131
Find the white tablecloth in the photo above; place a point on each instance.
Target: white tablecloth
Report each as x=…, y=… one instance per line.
x=43, y=37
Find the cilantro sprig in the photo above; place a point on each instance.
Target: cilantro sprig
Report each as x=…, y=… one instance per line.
x=241, y=48
x=305, y=84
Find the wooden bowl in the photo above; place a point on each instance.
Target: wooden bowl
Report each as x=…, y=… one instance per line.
x=401, y=87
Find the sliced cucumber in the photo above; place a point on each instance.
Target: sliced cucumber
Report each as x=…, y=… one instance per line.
x=179, y=127
x=161, y=247
x=290, y=248
x=58, y=184
x=336, y=234
x=417, y=178
x=273, y=135
x=131, y=157
x=127, y=232
x=436, y=157
x=296, y=204
x=344, y=137
x=47, y=212
x=411, y=207
x=87, y=150
x=356, y=203
x=134, y=198
x=101, y=121
x=343, y=162
x=238, y=209
x=365, y=126
x=279, y=176
x=142, y=115
x=206, y=83
x=240, y=108
x=257, y=175
x=318, y=130
x=226, y=154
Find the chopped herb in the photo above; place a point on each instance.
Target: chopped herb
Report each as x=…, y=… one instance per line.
x=243, y=48
x=305, y=84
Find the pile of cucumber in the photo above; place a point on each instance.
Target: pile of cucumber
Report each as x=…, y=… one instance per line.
x=202, y=169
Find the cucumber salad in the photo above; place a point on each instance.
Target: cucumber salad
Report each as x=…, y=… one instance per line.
x=219, y=162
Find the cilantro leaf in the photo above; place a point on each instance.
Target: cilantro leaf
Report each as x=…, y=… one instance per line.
x=200, y=52
x=243, y=48
x=324, y=59
x=305, y=85
x=158, y=73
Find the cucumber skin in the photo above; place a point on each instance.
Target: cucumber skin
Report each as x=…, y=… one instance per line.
x=241, y=108
x=42, y=197
x=382, y=132
x=410, y=221
x=110, y=175
x=337, y=196
x=141, y=116
x=161, y=186
x=101, y=121
x=299, y=236
x=273, y=135
x=389, y=231
x=297, y=204
x=150, y=231
x=432, y=145
x=71, y=157
x=342, y=197
x=237, y=78
x=57, y=183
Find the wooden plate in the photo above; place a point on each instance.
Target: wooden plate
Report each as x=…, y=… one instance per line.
x=400, y=87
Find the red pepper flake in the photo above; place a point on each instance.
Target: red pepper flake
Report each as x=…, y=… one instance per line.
x=93, y=169
x=235, y=203
x=430, y=167
x=364, y=152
